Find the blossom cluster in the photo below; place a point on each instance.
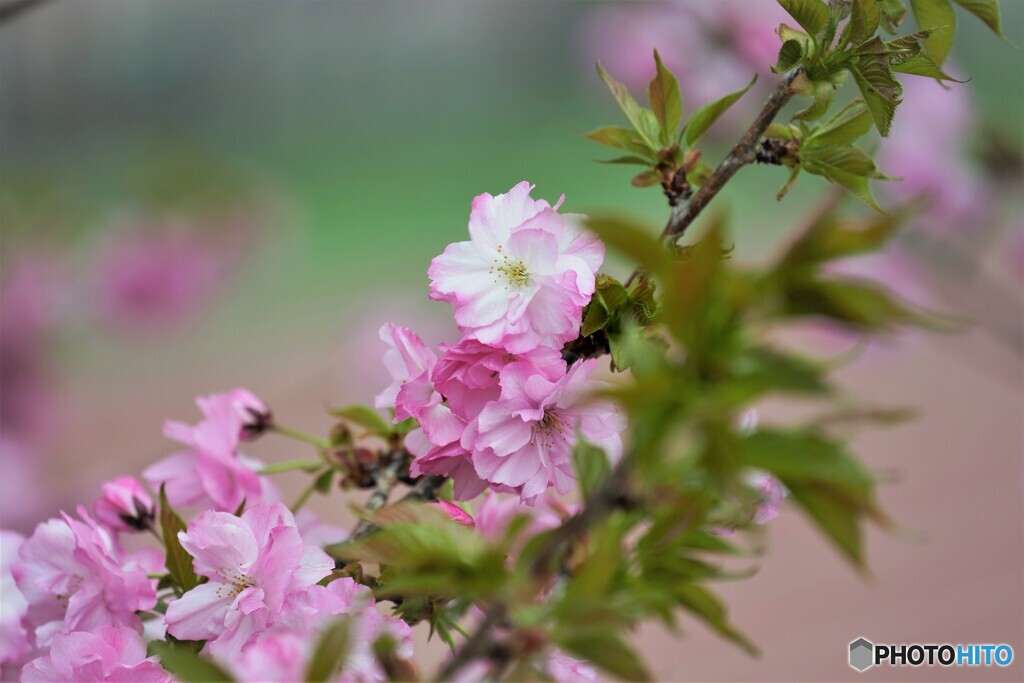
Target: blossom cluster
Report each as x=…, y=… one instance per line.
x=501, y=409
x=79, y=606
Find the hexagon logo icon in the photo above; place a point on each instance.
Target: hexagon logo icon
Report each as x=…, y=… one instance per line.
x=862, y=654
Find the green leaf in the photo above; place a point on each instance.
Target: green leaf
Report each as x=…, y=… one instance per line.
x=666, y=102
x=893, y=14
x=829, y=239
x=623, y=139
x=628, y=238
x=179, y=562
x=923, y=65
x=938, y=15
x=845, y=165
x=865, y=16
x=626, y=160
x=647, y=178
x=859, y=304
x=591, y=465
x=794, y=173
x=643, y=120
x=608, y=651
x=366, y=417
x=824, y=94
x=706, y=116
x=324, y=481
x=330, y=652
x=847, y=125
x=835, y=518
x=609, y=299
x=791, y=54
x=186, y=665
x=702, y=603
x=987, y=11
x=812, y=15
x=881, y=92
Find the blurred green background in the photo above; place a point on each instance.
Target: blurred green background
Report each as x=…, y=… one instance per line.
x=359, y=132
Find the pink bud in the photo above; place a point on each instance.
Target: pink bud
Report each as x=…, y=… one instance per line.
x=124, y=505
x=457, y=514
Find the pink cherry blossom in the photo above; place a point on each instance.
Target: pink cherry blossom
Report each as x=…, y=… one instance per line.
x=211, y=473
x=253, y=563
x=448, y=460
x=282, y=653
x=14, y=643
x=411, y=393
x=496, y=511
x=525, y=440
x=467, y=373
x=75, y=576
x=106, y=653
x=523, y=278
x=124, y=505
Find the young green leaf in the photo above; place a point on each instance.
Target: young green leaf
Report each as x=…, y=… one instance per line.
x=706, y=116
x=881, y=92
x=179, y=562
x=330, y=652
x=845, y=165
x=628, y=238
x=700, y=602
x=623, y=139
x=938, y=15
x=812, y=15
x=791, y=54
x=824, y=94
x=187, y=665
x=893, y=14
x=643, y=120
x=591, y=465
x=607, y=650
x=987, y=11
x=865, y=15
x=666, y=102
x=848, y=124
x=366, y=417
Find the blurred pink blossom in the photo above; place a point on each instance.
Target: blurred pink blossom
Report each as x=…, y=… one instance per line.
x=155, y=272
x=115, y=654
x=712, y=47
x=75, y=576
x=14, y=643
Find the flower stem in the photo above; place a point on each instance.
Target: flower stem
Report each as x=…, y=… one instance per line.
x=300, y=436
x=289, y=465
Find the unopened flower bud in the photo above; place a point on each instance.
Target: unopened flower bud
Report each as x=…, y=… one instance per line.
x=125, y=505
x=255, y=414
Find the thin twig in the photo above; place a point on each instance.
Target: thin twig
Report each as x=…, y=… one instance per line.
x=387, y=476
x=741, y=155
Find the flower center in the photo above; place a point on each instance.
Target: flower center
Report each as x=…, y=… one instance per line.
x=512, y=270
x=234, y=583
x=549, y=429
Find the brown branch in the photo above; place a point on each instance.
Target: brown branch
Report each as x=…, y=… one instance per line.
x=387, y=476
x=742, y=154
